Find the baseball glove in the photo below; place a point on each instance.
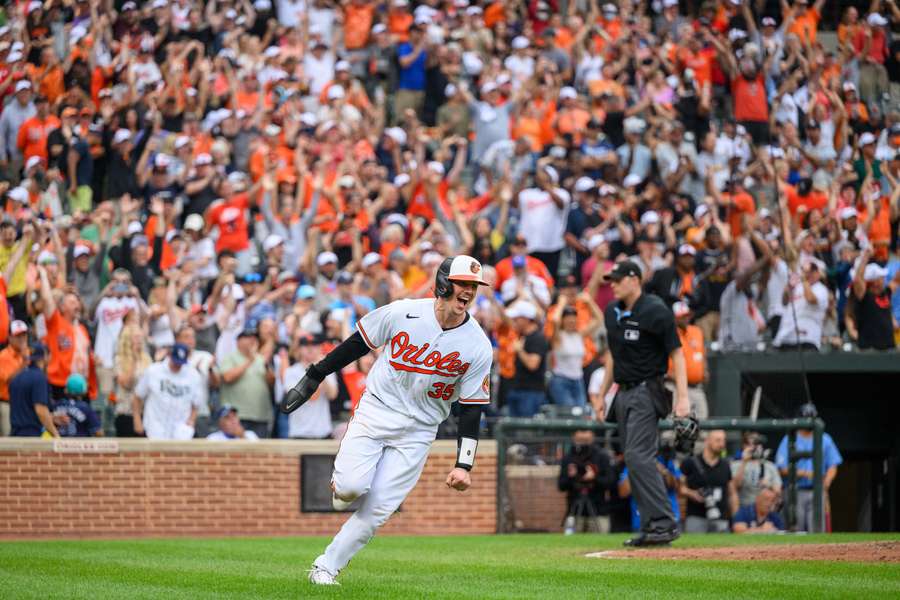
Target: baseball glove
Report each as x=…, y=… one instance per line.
x=687, y=430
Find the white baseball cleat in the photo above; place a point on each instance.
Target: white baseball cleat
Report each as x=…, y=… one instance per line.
x=319, y=576
x=339, y=504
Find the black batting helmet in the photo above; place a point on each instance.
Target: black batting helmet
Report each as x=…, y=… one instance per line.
x=458, y=268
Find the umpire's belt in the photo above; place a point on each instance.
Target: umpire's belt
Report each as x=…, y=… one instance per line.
x=630, y=385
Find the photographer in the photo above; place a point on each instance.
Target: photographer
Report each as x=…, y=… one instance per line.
x=753, y=472
x=586, y=474
x=707, y=485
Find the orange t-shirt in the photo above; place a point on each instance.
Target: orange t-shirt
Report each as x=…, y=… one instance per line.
x=493, y=14
x=529, y=128
x=229, y=216
x=572, y=121
x=534, y=266
x=70, y=349
x=167, y=259
x=806, y=25
x=398, y=24
x=880, y=228
x=700, y=63
x=814, y=201
x=506, y=358
x=11, y=362
x=53, y=85
x=420, y=205
x=357, y=23
x=32, y=140
x=694, y=354
x=741, y=203
x=750, y=102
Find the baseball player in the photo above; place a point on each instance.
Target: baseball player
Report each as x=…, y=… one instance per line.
x=434, y=354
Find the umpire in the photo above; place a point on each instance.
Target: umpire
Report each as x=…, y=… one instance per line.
x=642, y=337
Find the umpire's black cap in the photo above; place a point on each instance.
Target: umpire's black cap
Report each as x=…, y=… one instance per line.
x=623, y=269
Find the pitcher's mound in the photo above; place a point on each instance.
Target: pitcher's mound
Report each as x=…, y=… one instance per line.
x=877, y=552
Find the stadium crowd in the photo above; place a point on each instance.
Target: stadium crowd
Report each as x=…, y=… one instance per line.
x=201, y=198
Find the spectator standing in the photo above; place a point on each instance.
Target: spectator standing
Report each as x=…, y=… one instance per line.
x=572, y=347
x=753, y=471
x=204, y=363
x=706, y=483
x=524, y=285
x=15, y=113
x=543, y=211
x=671, y=476
x=874, y=322
x=32, y=138
x=131, y=360
x=230, y=427
x=29, y=398
x=676, y=283
x=691, y=338
x=526, y=390
x=13, y=359
x=412, y=56
x=586, y=475
x=73, y=414
x=760, y=515
x=246, y=383
x=166, y=398
x=832, y=460
x=313, y=419
x=809, y=297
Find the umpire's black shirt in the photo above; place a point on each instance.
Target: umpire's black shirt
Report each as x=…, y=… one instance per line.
x=641, y=339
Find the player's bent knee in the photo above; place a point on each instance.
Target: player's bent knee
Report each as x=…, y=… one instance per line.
x=348, y=491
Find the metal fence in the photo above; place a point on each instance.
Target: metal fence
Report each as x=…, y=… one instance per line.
x=532, y=448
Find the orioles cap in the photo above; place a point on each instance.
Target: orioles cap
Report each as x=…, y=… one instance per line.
x=466, y=268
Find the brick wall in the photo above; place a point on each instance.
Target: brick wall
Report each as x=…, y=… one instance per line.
x=197, y=488
x=535, y=501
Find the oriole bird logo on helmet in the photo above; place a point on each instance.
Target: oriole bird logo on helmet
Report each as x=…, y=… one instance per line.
x=456, y=268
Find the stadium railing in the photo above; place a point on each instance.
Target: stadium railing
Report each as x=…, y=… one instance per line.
x=550, y=437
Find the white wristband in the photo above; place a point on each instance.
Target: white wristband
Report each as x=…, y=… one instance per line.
x=465, y=456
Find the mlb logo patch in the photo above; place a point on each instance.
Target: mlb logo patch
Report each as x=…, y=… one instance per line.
x=632, y=335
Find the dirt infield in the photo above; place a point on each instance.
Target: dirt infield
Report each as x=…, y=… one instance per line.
x=874, y=552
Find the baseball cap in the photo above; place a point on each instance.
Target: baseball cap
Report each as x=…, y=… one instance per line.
x=518, y=261
x=520, y=42
x=38, y=351
x=179, y=354
x=249, y=330
x=584, y=184
x=397, y=134
x=225, y=410
x=121, y=135
x=23, y=84
x=344, y=278
x=866, y=138
x=18, y=194
x=120, y=288
x=273, y=240
x=874, y=272
x=305, y=292
x=325, y=258
x=624, y=268
x=139, y=240
x=848, y=212
x=525, y=310
x=80, y=250
x=465, y=268
x=18, y=327
x=686, y=249
x=76, y=384
x=632, y=180
x=203, y=159
x=194, y=222
x=649, y=217
x=701, y=210
x=372, y=258
x=680, y=309
x=876, y=20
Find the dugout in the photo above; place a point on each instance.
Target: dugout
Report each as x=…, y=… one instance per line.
x=855, y=393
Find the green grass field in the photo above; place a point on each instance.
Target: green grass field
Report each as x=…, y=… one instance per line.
x=510, y=566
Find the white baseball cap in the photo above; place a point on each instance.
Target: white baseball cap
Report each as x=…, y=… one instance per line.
x=397, y=134
x=649, y=217
x=632, y=180
x=520, y=42
x=466, y=268
x=325, y=258
x=595, y=240
x=193, y=222
x=181, y=141
x=33, y=162
x=876, y=20
x=272, y=52
x=687, y=249
x=584, y=184
x=342, y=65
x=80, y=250
x=372, y=258
x=121, y=135
x=568, y=93
x=18, y=194
x=18, y=327
x=523, y=309
x=680, y=309
x=700, y=211
x=436, y=167
x=134, y=227
x=874, y=272
x=203, y=158
x=273, y=240
x=22, y=84
x=848, y=212
x=401, y=180
x=866, y=138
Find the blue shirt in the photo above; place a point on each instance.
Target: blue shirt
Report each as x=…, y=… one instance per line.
x=832, y=457
x=28, y=388
x=747, y=515
x=348, y=306
x=83, y=421
x=411, y=77
x=673, y=497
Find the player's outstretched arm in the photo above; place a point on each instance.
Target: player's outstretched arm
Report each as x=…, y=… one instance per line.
x=466, y=445
x=346, y=352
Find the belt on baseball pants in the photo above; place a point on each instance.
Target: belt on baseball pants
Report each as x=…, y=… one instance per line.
x=630, y=385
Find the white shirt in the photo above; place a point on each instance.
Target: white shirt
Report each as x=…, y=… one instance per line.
x=568, y=355
x=197, y=252
x=778, y=278
x=522, y=67
x=168, y=398
x=542, y=223
x=202, y=361
x=810, y=317
x=110, y=316
x=535, y=289
x=594, y=387
x=219, y=436
x=424, y=368
x=318, y=71
x=289, y=12
x=313, y=419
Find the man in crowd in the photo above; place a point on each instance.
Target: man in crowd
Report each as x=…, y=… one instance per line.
x=760, y=516
x=246, y=383
x=29, y=394
x=166, y=398
x=230, y=427
x=586, y=475
x=526, y=390
x=13, y=359
x=753, y=472
x=706, y=483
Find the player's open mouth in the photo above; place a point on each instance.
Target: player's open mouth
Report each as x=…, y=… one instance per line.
x=464, y=300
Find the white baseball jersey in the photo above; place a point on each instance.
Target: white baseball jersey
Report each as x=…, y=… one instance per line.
x=423, y=367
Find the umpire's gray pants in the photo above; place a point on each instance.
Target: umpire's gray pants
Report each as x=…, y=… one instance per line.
x=639, y=434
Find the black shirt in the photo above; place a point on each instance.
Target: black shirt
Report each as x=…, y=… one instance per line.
x=524, y=379
x=599, y=489
x=873, y=321
x=640, y=340
x=711, y=481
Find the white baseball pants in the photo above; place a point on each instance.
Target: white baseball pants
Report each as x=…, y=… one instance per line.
x=380, y=458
